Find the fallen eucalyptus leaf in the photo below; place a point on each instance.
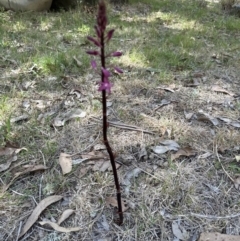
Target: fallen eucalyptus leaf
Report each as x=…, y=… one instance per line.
x=201, y=116
x=113, y=201
x=167, y=145
x=4, y=151
x=230, y=122
x=160, y=149
x=65, y=162
x=235, y=124
x=218, y=88
x=103, y=166
x=66, y=214
x=170, y=143
x=58, y=228
x=186, y=151
x=38, y=210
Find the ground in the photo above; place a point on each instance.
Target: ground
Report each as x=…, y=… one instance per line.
x=181, y=83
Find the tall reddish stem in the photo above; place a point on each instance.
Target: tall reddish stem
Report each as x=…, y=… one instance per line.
x=108, y=147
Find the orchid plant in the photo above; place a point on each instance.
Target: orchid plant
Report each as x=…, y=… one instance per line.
x=100, y=41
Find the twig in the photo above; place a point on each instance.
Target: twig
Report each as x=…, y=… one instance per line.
x=223, y=166
x=40, y=188
x=19, y=230
x=215, y=217
x=125, y=126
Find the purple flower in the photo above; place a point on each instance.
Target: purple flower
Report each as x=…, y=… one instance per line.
x=118, y=70
x=93, y=52
x=94, y=64
x=93, y=40
x=106, y=73
x=116, y=54
x=105, y=85
x=110, y=34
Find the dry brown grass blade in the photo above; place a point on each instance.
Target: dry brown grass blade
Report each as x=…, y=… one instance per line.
x=38, y=210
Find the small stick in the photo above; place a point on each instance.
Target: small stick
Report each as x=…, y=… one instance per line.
x=223, y=166
x=40, y=188
x=215, y=217
x=19, y=230
x=126, y=127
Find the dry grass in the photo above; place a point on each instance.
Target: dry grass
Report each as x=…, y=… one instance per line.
x=180, y=43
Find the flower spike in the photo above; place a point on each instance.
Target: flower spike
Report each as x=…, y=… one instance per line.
x=105, y=86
